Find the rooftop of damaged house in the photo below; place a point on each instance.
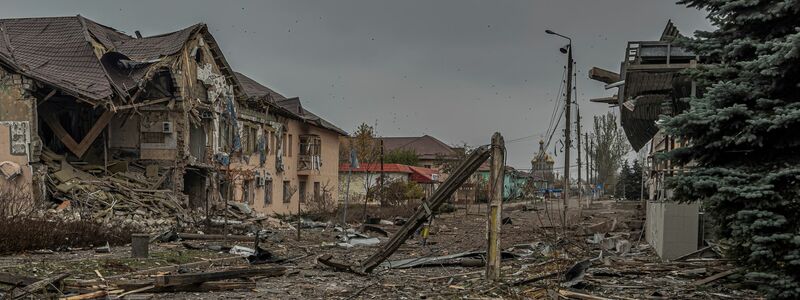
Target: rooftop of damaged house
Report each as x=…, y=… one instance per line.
x=158, y=125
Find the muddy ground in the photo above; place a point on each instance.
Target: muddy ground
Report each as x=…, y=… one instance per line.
x=541, y=246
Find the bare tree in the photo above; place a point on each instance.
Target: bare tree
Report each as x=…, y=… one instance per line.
x=610, y=148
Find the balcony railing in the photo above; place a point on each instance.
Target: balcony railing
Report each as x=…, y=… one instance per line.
x=310, y=158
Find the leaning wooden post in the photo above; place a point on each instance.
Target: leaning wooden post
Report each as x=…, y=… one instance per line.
x=495, y=207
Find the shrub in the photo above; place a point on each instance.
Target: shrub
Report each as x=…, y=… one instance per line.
x=27, y=225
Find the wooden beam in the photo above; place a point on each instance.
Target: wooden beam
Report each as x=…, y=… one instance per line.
x=69, y=142
x=92, y=295
x=49, y=95
x=426, y=210
x=495, y=208
x=608, y=100
x=217, y=261
x=14, y=279
x=215, y=237
x=145, y=103
x=209, y=286
x=41, y=284
x=60, y=132
x=603, y=75
x=94, y=132
x=716, y=277
x=193, y=278
x=575, y=295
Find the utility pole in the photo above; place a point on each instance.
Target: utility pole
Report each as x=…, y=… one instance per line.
x=588, y=163
x=495, y=208
x=593, y=157
x=567, y=130
x=578, y=138
x=567, y=138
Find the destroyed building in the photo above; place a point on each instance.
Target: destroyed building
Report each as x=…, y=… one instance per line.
x=650, y=85
x=91, y=114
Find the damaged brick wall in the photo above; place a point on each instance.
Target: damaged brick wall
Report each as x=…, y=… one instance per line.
x=18, y=146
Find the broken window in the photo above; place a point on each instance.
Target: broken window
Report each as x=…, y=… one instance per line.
x=249, y=139
x=225, y=134
x=287, y=191
x=197, y=140
x=273, y=142
x=290, y=146
x=302, y=191
x=310, y=152
x=268, y=139
x=284, y=145
x=248, y=192
x=247, y=148
x=268, y=193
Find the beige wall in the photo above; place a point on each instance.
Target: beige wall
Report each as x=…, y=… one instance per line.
x=327, y=175
x=16, y=109
x=358, y=183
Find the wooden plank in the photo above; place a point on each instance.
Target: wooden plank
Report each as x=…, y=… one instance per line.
x=94, y=132
x=193, y=278
x=197, y=236
x=49, y=95
x=60, y=132
x=92, y=295
x=69, y=142
x=14, y=279
x=41, y=284
x=716, y=277
x=211, y=286
x=84, y=283
x=424, y=211
x=145, y=103
x=576, y=295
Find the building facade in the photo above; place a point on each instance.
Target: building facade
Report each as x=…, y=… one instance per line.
x=651, y=84
x=165, y=111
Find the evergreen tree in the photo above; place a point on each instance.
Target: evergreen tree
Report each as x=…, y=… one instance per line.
x=742, y=134
x=620, y=190
x=629, y=185
x=633, y=191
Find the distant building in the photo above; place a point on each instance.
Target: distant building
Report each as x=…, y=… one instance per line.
x=367, y=176
x=430, y=150
x=542, y=168
x=513, y=181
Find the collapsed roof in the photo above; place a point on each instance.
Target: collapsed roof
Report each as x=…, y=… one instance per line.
x=650, y=84
x=89, y=60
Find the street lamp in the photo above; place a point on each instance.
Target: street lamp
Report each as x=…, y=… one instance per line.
x=567, y=131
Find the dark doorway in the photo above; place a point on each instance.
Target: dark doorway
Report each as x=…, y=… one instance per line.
x=196, y=187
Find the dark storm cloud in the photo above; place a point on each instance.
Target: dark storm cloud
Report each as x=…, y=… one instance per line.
x=458, y=70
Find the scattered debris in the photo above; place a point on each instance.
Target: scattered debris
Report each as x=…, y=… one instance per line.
x=103, y=249
x=575, y=274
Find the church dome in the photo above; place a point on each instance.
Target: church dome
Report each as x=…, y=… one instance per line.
x=542, y=155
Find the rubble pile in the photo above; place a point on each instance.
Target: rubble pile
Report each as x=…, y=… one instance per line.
x=124, y=197
x=131, y=196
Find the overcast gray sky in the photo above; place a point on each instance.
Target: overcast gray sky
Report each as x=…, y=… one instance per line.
x=457, y=70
